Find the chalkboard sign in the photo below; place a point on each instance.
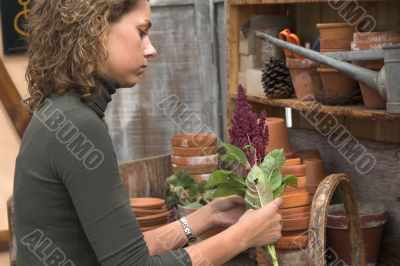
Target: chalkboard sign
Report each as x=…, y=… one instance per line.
x=14, y=14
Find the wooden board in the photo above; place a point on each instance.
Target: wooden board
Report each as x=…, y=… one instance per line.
x=381, y=184
x=12, y=101
x=146, y=177
x=357, y=111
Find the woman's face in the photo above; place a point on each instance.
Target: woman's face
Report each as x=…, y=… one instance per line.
x=129, y=46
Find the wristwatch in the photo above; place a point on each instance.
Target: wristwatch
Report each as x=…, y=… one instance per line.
x=187, y=230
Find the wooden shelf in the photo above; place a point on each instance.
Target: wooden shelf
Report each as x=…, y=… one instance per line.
x=262, y=2
x=356, y=111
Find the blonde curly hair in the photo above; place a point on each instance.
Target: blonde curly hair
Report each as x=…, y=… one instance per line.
x=67, y=39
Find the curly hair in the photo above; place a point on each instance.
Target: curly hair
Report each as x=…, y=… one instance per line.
x=66, y=40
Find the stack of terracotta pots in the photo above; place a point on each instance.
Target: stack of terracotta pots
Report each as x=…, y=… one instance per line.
x=195, y=154
x=373, y=40
x=151, y=213
x=297, y=200
x=278, y=136
x=336, y=37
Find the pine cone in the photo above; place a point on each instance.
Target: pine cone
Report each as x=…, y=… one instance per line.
x=276, y=79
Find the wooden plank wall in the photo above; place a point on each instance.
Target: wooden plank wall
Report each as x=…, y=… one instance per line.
x=381, y=184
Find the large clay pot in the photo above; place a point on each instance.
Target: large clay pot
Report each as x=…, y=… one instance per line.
x=372, y=218
x=315, y=172
x=194, y=151
x=297, y=170
x=308, y=154
x=195, y=160
x=335, y=31
x=306, y=80
x=195, y=169
x=336, y=82
x=295, y=198
x=278, y=135
x=194, y=140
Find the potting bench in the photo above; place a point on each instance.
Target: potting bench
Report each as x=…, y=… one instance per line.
x=376, y=130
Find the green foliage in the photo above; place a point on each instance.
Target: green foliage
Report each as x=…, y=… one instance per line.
x=226, y=183
x=183, y=190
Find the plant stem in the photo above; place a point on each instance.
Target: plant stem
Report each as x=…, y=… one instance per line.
x=271, y=250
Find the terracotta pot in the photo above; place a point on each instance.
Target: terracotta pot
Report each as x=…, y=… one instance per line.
x=301, y=181
x=296, y=224
x=331, y=51
x=287, y=212
x=372, y=217
x=196, y=169
x=385, y=36
x=315, y=172
x=355, y=46
x=306, y=80
x=147, y=203
x=372, y=99
x=199, y=178
x=292, y=161
x=334, y=31
x=278, y=135
x=336, y=82
x=194, y=140
x=195, y=160
x=292, y=242
x=286, y=257
x=336, y=44
x=189, y=152
x=297, y=170
x=143, y=212
x=308, y=154
x=296, y=198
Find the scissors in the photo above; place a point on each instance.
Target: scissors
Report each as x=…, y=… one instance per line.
x=287, y=35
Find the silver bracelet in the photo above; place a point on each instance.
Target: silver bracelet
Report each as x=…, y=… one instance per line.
x=187, y=230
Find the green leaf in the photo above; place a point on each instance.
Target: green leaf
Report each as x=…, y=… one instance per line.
x=235, y=154
x=224, y=191
x=273, y=160
x=217, y=178
x=259, y=192
x=290, y=180
x=279, y=191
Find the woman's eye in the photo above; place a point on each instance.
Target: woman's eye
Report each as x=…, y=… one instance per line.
x=142, y=33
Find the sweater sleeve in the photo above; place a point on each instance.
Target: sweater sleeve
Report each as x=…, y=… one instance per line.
x=82, y=156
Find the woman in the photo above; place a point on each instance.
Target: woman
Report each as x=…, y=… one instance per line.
x=70, y=208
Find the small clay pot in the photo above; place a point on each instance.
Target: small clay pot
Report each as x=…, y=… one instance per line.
x=301, y=181
x=292, y=242
x=337, y=82
x=197, y=151
x=372, y=218
x=296, y=224
x=147, y=203
x=297, y=170
x=195, y=169
x=278, y=135
x=292, y=161
x=194, y=140
x=315, y=172
x=295, y=198
x=199, y=178
x=372, y=99
x=334, y=31
x=306, y=80
x=195, y=160
x=289, y=212
x=143, y=212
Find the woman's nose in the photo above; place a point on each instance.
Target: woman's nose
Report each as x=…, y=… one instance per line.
x=149, y=50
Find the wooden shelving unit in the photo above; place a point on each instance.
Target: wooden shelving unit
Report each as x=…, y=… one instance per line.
x=373, y=129
x=356, y=111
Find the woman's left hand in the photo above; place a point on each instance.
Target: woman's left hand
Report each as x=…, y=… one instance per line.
x=226, y=211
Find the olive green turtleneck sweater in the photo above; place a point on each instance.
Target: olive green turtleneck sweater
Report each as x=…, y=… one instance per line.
x=70, y=207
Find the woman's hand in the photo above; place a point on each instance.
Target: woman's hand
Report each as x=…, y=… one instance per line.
x=263, y=226
x=226, y=211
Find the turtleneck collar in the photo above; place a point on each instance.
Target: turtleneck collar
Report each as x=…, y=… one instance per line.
x=102, y=96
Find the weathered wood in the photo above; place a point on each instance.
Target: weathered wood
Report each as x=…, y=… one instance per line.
x=12, y=101
x=318, y=220
x=356, y=111
x=381, y=184
x=146, y=177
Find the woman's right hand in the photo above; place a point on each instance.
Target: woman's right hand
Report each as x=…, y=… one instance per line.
x=263, y=226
